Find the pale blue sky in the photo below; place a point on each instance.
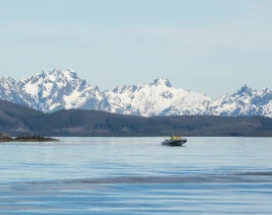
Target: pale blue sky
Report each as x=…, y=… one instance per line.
x=211, y=46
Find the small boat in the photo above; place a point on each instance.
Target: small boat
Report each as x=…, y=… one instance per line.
x=174, y=141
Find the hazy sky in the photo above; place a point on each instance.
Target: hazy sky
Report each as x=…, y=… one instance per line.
x=211, y=46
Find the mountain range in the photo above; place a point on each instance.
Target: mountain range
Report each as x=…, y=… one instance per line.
x=63, y=89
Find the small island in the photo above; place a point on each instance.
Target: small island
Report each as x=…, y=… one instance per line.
x=26, y=138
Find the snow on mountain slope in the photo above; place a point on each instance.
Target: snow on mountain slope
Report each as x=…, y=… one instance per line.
x=156, y=98
x=245, y=102
x=63, y=89
x=59, y=89
x=10, y=92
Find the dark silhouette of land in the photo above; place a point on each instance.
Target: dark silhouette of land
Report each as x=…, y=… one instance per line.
x=20, y=120
x=26, y=138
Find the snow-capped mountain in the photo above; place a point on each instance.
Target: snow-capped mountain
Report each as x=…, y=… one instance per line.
x=10, y=92
x=156, y=98
x=245, y=101
x=63, y=89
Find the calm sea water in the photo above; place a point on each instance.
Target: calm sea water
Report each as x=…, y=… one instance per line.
x=137, y=176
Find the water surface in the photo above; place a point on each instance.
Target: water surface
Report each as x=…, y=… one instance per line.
x=137, y=176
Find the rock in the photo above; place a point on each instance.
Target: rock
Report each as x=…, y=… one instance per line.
x=5, y=137
x=34, y=138
x=27, y=138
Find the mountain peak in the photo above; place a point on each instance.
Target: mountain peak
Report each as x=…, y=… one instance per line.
x=7, y=78
x=161, y=81
x=58, y=89
x=266, y=89
x=244, y=89
x=68, y=74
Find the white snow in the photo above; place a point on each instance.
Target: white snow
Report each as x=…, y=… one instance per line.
x=57, y=88
x=153, y=98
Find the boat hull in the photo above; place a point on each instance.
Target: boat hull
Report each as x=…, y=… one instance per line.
x=174, y=142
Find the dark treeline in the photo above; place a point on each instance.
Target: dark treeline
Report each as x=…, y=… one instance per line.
x=17, y=120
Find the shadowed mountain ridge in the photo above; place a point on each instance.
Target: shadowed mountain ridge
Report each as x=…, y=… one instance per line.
x=18, y=120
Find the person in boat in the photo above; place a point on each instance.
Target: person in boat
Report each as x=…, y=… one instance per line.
x=175, y=137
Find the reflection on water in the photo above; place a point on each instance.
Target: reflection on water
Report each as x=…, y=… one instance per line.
x=137, y=176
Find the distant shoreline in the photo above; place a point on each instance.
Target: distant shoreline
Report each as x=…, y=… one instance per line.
x=162, y=136
x=18, y=120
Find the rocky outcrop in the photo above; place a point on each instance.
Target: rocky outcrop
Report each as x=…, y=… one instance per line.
x=5, y=137
x=26, y=138
x=34, y=138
